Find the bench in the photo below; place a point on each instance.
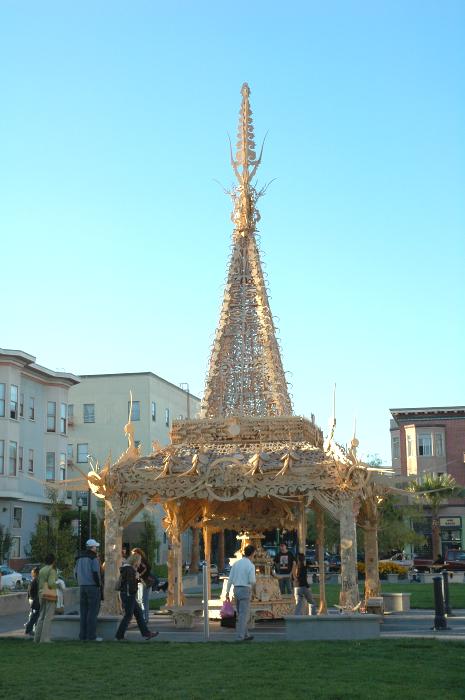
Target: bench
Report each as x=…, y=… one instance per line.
x=66, y=627
x=331, y=627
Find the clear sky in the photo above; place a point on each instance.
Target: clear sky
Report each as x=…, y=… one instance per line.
x=115, y=237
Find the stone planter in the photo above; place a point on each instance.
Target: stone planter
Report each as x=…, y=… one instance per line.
x=396, y=602
x=332, y=627
x=11, y=603
x=66, y=627
x=392, y=578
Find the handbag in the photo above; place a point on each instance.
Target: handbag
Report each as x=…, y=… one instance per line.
x=49, y=594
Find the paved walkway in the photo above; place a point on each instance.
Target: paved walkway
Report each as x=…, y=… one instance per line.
x=414, y=624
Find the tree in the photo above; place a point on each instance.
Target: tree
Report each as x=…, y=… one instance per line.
x=53, y=534
x=6, y=543
x=148, y=540
x=332, y=534
x=435, y=490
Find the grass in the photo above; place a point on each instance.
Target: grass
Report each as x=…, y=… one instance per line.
x=381, y=669
x=421, y=595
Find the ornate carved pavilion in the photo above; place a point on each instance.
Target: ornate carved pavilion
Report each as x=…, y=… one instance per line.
x=247, y=464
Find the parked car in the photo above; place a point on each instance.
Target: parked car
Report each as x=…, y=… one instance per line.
x=9, y=578
x=334, y=562
x=398, y=559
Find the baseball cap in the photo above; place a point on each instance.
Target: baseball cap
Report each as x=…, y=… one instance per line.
x=92, y=543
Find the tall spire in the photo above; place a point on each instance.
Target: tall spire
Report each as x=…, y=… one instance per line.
x=245, y=375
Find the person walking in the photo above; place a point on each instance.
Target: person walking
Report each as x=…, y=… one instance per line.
x=128, y=593
x=284, y=562
x=87, y=574
x=242, y=577
x=33, y=597
x=144, y=586
x=47, y=599
x=302, y=593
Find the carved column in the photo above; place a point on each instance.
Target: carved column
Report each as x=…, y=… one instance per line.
x=171, y=573
x=113, y=546
x=207, y=540
x=320, y=543
x=349, y=597
x=194, y=563
x=302, y=527
x=368, y=521
x=221, y=550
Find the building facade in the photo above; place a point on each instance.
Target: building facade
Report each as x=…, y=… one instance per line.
x=33, y=442
x=98, y=411
x=432, y=440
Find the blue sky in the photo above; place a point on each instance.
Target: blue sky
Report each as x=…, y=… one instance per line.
x=115, y=235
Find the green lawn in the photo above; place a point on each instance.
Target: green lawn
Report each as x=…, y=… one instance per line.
x=421, y=595
x=380, y=670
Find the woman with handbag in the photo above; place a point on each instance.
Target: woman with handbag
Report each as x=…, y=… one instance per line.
x=47, y=598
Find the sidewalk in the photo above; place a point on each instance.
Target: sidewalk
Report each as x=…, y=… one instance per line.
x=413, y=624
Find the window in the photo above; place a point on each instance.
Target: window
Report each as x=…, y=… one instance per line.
x=395, y=448
x=15, y=551
x=409, y=445
x=17, y=517
x=32, y=408
x=51, y=416
x=154, y=411
x=62, y=472
x=69, y=454
x=30, y=464
x=2, y=399
x=82, y=452
x=83, y=495
x=50, y=466
x=424, y=445
x=135, y=410
x=63, y=416
x=438, y=445
x=21, y=405
x=2, y=456
x=167, y=417
x=12, y=458
x=89, y=413
x=71, y=414
x=13, y=401
x=20, y=458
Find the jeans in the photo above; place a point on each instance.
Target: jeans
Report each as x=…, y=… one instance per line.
x=303, y=598
x=242, y=596
x=285, y=584
x=143, y=593
x=33, y=617
x=131, y=607
x=47, y=610
x=89, y=609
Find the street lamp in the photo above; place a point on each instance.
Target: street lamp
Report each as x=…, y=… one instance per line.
x=79, y=507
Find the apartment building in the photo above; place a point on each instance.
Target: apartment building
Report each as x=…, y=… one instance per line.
x=98, y=411
x=33, y=441
x=432, y=439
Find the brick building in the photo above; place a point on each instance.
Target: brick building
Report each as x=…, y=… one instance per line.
x=433, y=440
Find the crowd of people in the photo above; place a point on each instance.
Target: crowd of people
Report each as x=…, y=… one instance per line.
x=135, y=582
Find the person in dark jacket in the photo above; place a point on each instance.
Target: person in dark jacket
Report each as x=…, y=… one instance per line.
x=33, y=596
x=128, y=592
x=144, y=584
x=302, y=592
x=87, y=573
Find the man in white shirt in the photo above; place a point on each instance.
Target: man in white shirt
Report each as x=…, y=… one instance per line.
x=242, y=577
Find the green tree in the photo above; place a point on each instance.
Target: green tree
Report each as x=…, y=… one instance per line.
x=434, y=490
x=53, y=534
x=395, y=524
x=148, y=540
x=6, y=543
x=332, y=534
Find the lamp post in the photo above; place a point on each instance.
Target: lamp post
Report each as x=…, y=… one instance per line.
x=79, y=507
